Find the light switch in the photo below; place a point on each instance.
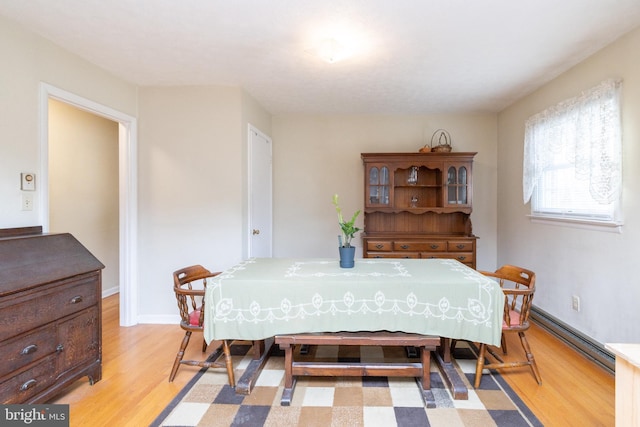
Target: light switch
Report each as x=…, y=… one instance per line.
x=28, y=181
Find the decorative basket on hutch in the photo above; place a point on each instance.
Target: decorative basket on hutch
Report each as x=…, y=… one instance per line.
x=441, y=141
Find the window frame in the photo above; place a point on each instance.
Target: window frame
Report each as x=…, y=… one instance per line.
x=538, y=160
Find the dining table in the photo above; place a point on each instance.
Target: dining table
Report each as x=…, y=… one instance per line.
x=260, y=298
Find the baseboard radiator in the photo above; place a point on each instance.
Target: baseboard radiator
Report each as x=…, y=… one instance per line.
x=581, y=343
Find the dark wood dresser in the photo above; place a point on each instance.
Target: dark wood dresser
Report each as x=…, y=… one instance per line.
x=50, y=315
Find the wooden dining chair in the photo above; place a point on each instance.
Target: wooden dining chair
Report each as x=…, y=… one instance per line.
x=189, y=285
x=518, y=285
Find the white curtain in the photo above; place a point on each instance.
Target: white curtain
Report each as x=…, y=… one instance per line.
x=585, y=130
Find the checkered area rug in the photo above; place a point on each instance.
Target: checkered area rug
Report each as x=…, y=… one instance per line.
x=344, y=401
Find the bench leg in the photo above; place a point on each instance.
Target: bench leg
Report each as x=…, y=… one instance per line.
x=287, y=394
x=424, y=383
x=289, y=380
x=426, y=368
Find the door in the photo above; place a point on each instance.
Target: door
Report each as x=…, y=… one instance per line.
x=260, y=195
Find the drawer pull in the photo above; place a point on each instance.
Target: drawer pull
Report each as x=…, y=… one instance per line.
x=379, y=246
x=59, y=348
x=434, y=246
x=460, y=246
x=29, y=349
x=76, y=300
x=462, y=258
x=404, y=246
x=29, y=384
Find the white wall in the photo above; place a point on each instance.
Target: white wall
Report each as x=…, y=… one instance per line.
x=192, y=166
x=317, y=156
x=83, y=184
x=28, y=60
x=597, y=266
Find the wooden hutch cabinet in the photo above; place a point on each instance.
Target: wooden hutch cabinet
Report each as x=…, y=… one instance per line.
x=50, y=315
x=418, y=205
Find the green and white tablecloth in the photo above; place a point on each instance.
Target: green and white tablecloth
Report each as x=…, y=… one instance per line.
x=264, y=297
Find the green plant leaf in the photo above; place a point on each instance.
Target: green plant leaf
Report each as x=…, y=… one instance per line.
x=348, y=228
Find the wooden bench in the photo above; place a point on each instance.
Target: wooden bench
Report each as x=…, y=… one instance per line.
x=421, y=370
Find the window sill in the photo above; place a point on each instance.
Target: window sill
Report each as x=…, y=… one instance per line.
x=609, y=227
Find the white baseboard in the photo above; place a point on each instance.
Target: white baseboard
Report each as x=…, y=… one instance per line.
x=160, y=319
x=153, y=319
x=110, y=291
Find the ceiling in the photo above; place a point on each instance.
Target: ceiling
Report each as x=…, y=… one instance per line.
x=411, y=56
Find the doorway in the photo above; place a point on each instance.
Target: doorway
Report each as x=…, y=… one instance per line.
x=127, y=185
x=83, y=184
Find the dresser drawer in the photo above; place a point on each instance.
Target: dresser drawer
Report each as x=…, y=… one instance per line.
x=27, y=384
x=75, y=298
x=433, y=255
x=377, y=245
x=406, y=255
x=393, y=255
x=21, y=351
x=419, y=246
x=463, y=257
x=35, y=309
x=460, y=246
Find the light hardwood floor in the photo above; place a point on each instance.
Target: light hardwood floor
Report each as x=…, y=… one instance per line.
x=137, y=360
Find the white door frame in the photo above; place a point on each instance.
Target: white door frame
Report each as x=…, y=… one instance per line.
x=127, y=188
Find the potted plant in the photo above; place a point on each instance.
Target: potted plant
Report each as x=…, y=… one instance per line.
x=349, y=229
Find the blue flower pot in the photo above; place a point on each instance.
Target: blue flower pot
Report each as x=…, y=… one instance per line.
x=347, y=256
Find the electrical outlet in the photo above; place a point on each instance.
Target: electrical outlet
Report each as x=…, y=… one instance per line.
x=575, y=302
x=27, y=202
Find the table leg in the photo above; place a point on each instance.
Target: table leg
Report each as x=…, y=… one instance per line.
x=449, y=372
x=248, y=380
x=445, y=349
x=258, y=349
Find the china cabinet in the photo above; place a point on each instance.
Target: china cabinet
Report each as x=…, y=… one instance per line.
x=418, y=205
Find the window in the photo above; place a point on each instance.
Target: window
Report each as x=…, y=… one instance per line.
x=573, y=158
